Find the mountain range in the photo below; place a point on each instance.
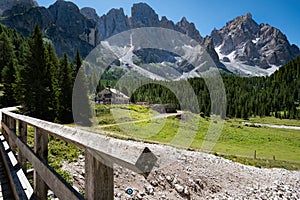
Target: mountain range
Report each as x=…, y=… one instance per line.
x=241, y=47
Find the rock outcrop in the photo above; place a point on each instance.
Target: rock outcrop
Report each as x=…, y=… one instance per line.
x=241, y=41
x=252, y=44
x=142, y=15
x=188, y=28
x=10, y=6
x=62, y=23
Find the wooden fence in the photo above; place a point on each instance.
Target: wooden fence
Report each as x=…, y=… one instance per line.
x=101, y=153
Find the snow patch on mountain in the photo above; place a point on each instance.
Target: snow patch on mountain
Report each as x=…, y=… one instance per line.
x=255, y=41
x=237, y=67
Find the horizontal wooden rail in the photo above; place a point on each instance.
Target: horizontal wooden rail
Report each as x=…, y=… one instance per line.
x=101, y=153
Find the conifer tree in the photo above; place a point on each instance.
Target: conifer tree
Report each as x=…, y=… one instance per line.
x=63, y=91
x=8, y=63
x=35, y=80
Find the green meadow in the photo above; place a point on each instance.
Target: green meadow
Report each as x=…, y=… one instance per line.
x=228, y=138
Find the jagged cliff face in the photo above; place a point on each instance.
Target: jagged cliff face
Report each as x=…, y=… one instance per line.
x=142, y=15
x=242, y=46
x=6, y=5
x=243, y=41
x=62, y=23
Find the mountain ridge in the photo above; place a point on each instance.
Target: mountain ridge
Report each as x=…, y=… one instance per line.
x=244, y=41
x=242, y=46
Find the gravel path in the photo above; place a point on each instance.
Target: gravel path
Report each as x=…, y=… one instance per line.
x=271, y=125
x=184, y=174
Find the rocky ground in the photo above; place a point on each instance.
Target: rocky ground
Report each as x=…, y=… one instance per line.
x=195, y=175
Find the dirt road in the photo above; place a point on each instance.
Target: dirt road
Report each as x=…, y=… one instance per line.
x=271, y=125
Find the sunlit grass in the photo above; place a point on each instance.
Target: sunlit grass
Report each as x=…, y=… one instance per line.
x=235, y=140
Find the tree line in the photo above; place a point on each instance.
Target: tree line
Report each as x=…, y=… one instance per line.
x=277, y=95
x=34, y=77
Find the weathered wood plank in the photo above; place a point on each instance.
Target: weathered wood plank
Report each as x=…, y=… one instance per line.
x=114, y=150
x=22, y=128
x=40, y=150
x=99, y=178
x=59, y=186
x=12, y=126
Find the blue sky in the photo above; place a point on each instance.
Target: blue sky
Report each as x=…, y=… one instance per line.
x=282, y=14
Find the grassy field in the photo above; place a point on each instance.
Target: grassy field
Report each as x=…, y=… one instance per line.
x=112, y=114
x=236, y=142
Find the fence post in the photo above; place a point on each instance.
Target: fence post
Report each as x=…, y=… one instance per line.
x=254, y=154
x=41, y=150
x=23, y=136
x=11, y=123
x=3, y=119
x=99, y=178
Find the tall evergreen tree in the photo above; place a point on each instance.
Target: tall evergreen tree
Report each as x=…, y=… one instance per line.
x=35, y=80
x=63, y=90
x=8, y=63
x=53, y=66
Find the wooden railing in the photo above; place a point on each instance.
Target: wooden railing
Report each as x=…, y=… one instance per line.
x=101, y=153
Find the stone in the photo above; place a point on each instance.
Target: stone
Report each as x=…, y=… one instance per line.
x=161, y=178
x=169, y=178
x=191, y=182
x=186, y=191
x=175, y=180
x=199, y=183
x=154, y=183
x=149, y=190
x=179, y=188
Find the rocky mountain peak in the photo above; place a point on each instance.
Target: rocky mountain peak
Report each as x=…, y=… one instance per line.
x=165, y=23
x=241, y=42
x=183, y=21
x=248, y=43
x=112, y=23
x=143, y=15
x=15, y=6
x=116, y=12
x=90, y=13
x=61, y=6
x=248, y=15
x=208, y=43
x=188, y=28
